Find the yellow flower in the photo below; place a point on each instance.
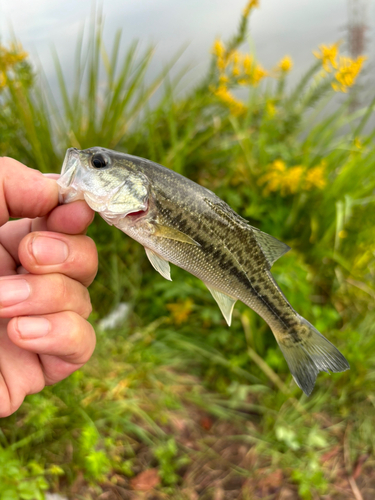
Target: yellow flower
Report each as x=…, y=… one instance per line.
x=273, y=177
x=218, y=48
x=291, y=180
x=258, y=74
x=3, y=79
x=357, y=141
x=236, y=56
x=243, y=81
x=236, y=71
x=328, y=55
x=221, y=63
x=270, y=109
x=279, y=165
x=252, y=4
x=235, y=106
x=223, y=79
x=315, y=177
x=285, y=64
x=347, y=73
x=248, y=64
x=9, y=58
x=181, y=310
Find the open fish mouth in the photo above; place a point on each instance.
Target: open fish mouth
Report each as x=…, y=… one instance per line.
x=68, y=191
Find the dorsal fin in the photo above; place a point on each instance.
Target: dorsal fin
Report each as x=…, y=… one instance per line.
x=272, y=248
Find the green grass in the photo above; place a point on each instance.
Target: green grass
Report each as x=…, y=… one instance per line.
x=212, y=409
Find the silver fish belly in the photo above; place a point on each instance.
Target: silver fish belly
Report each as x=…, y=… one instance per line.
x=181, y=222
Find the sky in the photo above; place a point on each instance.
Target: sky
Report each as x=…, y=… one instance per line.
x=277, y=28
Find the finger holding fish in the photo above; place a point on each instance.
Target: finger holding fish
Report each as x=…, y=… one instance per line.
x=44, y=342
x=49, y=252
x=70, y=219
x=29, y=294
x=44, y=336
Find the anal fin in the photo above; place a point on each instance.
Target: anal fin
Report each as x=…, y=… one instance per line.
x=159, y=264
x=225, y=302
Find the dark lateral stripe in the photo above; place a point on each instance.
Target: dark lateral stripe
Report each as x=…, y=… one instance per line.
x=245, y=257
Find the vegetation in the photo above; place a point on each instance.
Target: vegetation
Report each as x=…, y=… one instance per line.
x=174, y=404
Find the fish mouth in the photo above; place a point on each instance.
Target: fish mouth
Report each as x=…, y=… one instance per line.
x=138, y=214
x=68, y=192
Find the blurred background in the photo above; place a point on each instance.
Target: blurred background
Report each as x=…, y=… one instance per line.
x=294, y=27
x=270, y=105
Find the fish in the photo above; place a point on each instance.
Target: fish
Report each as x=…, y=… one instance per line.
x=181, y=222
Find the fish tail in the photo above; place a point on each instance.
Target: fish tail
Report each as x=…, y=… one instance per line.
x=307, y=353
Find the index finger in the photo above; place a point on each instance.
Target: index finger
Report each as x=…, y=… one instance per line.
x=24, y=192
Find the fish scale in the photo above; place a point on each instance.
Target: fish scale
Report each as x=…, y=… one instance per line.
x=181, y=222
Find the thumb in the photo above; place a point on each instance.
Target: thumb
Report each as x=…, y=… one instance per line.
x=24, y=192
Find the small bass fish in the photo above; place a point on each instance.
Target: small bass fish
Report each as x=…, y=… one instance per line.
x=179, y=221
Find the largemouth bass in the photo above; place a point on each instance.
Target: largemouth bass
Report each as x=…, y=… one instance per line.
x=179, y=221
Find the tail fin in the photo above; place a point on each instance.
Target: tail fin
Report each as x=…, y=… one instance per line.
x=311, y=355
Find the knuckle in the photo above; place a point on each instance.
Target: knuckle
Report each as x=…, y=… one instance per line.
x=90, y=344
x=62, y=288
x=91, y=244
x=72, y=334
x=72, y=295
x=82, y=337
x=92, y=251
x=88, y=307
x=9, y=408
x=7, y=401
x=5, y=412
x=82, y=304
x=71, y=319
x=84, y=307
x=4, y=162
x=37, y=386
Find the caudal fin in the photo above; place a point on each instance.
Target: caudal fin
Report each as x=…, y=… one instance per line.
x=311, y=354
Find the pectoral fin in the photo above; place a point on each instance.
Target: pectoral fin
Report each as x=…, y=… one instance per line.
x=173, y=234
x=225, y=302
x=159, y=264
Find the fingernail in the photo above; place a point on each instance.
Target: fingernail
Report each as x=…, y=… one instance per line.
x=49, y=251
x=32, y=328
x=13, y=291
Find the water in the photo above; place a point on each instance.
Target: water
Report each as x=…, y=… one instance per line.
x=278, y=28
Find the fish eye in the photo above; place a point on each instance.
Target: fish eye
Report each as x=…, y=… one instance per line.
x=99, y=161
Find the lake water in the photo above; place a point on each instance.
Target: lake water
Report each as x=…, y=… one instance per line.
x=277, y=28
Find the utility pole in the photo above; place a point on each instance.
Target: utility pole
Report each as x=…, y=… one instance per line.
x=356, y=35
x=357, y=27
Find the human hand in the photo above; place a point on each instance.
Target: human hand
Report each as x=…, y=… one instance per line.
x=46, y=263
